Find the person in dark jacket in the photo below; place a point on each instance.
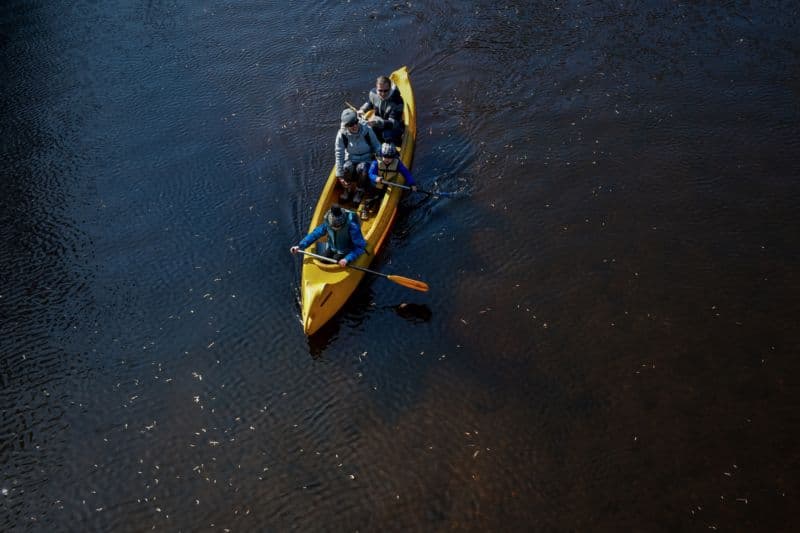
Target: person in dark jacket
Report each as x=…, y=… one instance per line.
x=345, y=241
x=387, y=102
x=356, y=146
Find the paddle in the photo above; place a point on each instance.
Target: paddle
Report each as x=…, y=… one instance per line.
x=368, y=115
x=400, y=280
x=406, y=187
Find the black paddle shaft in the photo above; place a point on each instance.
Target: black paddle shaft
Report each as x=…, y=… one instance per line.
x=406, y=187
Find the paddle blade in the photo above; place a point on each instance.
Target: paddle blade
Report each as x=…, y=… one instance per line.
x=410, y=283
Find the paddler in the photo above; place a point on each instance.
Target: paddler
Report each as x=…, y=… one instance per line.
x=345, y=242
x=383, y=172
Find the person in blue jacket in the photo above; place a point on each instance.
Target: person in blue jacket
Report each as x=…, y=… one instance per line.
x=345, y=242
x=382, y=172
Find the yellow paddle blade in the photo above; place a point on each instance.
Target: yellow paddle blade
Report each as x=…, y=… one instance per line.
x=410, y=283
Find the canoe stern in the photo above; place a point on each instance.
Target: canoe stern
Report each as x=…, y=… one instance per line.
x=315, y=298
x=325, y=289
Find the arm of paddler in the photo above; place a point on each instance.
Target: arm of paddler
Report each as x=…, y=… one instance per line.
x=359, y=244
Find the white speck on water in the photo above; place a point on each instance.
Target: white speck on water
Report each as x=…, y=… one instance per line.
x=4, y=491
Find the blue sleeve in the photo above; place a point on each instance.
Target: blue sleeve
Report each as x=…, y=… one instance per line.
x=359, y=244
x=406, y=174
x=373, y=172
x=312, y=237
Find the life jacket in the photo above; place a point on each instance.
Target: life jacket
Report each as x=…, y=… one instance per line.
x=339, y=239
x=388, y=173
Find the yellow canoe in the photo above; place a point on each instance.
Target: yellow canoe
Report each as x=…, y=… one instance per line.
x=326, y=287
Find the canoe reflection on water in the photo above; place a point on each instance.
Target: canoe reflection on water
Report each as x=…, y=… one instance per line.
x=415, y=313
x=319, y=341
x=357, y=310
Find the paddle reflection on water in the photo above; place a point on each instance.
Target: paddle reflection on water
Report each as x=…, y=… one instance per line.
x=414, y=313
x=356, y=311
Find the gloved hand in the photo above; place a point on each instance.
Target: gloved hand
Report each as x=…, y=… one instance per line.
x=376, y=122
x=294, y=249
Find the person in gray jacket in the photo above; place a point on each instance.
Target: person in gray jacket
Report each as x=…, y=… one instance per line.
x=356, y=147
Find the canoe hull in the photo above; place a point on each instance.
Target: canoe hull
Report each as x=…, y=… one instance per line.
x=325, y=287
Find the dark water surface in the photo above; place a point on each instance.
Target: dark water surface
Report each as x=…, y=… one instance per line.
x=611, y=340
